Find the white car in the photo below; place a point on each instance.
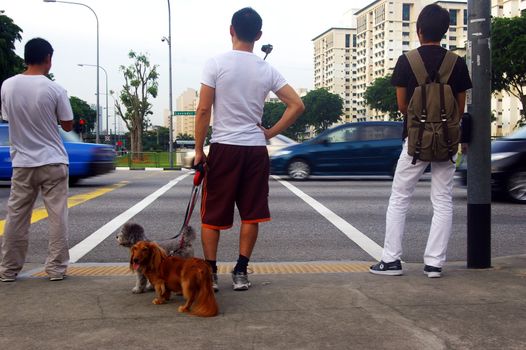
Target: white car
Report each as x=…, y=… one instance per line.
x=273, y=145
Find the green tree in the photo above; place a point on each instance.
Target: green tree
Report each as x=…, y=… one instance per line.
x=273, y=111
x=381, y=95
x=322, y=109
x=133, y=106
x=508, y=58
x=185, y=137
x=10, y=63
x=156, y=139
x=81, y=109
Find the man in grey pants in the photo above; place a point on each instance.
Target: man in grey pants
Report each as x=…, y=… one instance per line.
x=34, y=105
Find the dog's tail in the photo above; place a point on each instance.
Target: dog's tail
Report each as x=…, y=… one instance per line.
x=205, y=304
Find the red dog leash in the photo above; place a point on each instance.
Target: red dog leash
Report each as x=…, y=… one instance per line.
x=196, y=189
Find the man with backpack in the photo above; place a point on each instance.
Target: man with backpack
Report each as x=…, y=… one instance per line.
x=431, y=84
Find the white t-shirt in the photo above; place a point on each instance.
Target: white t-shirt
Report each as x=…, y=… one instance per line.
x=33, y=105
x=241, y=81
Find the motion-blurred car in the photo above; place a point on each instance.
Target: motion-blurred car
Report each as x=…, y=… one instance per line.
x=363, y=148
x=273, y=145
x=85, y=159
x=508, y=166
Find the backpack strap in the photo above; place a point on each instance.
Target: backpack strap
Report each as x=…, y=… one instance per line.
x=417, y=66
x=446, y=68
x=443, y=117
x=423, y=118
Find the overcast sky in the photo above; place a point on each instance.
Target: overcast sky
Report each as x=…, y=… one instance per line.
x=199, y=31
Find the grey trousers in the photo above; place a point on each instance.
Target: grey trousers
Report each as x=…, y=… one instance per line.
x=26, y=183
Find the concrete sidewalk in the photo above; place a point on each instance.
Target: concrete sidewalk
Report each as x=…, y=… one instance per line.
x=466, y=309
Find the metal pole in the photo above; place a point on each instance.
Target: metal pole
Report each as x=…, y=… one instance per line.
x=106, y=74
x=170, y=139
x=97, y=139
x=479, y=151
x=107, y=112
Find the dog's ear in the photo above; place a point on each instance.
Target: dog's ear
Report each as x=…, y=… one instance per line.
x=157, y=254
x=132, y=252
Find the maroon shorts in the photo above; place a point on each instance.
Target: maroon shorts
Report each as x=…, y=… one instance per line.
x=235, y=175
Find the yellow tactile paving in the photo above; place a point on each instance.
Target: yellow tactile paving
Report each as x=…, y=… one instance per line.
x=259, y=268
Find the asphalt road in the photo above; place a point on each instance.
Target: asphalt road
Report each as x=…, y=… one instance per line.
x=297, y=232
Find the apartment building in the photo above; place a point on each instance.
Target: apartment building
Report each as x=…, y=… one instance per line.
x=385, y=30
x=335, y=67
x=506, y=108
x=183, y=124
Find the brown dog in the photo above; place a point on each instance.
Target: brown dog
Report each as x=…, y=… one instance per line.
x=191, y=276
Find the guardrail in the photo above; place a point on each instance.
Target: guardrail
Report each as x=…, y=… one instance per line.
x=141, y=160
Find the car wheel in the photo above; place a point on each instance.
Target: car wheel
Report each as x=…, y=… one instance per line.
x=73, y=181
x=516, y=187
x=299, y=169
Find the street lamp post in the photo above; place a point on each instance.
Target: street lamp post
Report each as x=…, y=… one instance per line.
x=170, y=118
x=97, y=138
x=106, y=74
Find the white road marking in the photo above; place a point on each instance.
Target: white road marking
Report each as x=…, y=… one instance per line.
x=93, y=240
x=364, y=242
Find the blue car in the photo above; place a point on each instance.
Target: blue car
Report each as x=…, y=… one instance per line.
x=85, y=159
x=364, y=148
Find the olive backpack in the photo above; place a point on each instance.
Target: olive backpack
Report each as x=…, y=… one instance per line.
x=433, y=119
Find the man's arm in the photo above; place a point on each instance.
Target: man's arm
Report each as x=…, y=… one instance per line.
x=202, y=120
x=401, y=99
x=294, y=109
x=461, y=102
x=64, y=111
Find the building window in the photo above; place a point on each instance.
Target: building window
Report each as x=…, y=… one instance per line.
x=354, y=40
x=453, y=17
x=465, y=17
x=347, y=40
x=406, y=12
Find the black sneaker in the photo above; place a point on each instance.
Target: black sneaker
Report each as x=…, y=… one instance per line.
x=389, y=269
x=432, y=272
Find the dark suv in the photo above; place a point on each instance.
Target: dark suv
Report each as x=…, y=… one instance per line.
x=508, y=166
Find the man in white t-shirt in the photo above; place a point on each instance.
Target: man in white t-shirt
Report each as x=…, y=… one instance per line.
x=34, y=106
x=236, y=84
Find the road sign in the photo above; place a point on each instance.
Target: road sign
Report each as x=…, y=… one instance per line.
x=184, y=113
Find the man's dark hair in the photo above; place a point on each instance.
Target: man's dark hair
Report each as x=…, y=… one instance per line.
x=36, y=51
x=433, y=22
x=247, y=24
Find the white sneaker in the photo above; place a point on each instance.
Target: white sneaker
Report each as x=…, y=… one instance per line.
x=56, y=278
x=240, y=281
x=7, y=279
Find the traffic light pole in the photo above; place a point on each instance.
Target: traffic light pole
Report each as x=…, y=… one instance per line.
x=479, y=149
x=170, y=118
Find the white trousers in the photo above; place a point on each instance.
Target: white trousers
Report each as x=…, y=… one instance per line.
x=404, y=183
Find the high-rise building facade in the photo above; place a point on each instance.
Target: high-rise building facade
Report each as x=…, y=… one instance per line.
x=335, y=67
x=184, y=124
